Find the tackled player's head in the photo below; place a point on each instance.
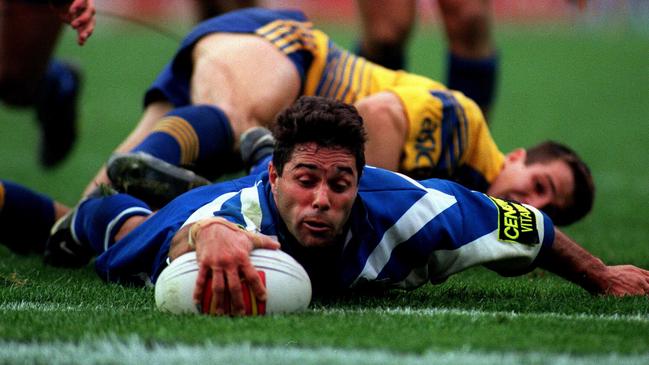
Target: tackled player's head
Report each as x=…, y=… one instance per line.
x=583, y=193
x=548, y=176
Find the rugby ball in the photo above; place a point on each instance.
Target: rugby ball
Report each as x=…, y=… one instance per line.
x=288, y=288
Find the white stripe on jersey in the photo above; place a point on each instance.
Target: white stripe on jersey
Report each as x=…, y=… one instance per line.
x=208, y=209
x=414, y=219
x=250, y=207
x=108, y=234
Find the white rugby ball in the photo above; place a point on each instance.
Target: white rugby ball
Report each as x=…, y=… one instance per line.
x=288, y=287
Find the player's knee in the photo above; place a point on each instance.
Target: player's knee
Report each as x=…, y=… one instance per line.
x=390, y=35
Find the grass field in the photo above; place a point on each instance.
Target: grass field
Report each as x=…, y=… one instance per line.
x=585, y=87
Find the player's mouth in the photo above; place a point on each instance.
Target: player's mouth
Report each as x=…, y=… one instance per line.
x=316, y=226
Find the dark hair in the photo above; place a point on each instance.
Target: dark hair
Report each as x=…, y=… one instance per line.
x=327, y=122
x=583, y=194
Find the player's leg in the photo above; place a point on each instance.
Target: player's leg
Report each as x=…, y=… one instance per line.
x=92, y=227
x=238, y=82
x=28, y=77
x=26, y=217
x=386, y=126
x=386, y=28
x=472, y=60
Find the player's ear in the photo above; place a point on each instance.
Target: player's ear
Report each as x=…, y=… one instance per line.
x=519, y=154
x=272, y=175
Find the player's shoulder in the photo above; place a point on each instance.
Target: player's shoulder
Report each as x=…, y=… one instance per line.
x=378, y=179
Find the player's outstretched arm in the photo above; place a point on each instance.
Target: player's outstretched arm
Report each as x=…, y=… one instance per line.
x=572, y=262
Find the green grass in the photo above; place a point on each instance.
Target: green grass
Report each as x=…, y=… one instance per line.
x=585, y=88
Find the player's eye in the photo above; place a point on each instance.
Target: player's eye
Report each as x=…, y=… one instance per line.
x=339, y=186
x=306, y=181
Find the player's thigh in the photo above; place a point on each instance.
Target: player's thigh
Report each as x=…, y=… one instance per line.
x=28, y=35
x=247, y=77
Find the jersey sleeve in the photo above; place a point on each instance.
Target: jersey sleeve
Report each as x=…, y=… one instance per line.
x=502, y=235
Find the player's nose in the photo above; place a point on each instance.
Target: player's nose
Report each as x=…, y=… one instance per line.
x=321, y=199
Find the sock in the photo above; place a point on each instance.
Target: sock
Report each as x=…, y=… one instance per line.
x=97, y=220
x=198, y=136
x=387, y=56
x=25, y=218
x=59, y=77
x=476, y=78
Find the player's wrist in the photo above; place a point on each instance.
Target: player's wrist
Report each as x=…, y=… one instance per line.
x=198, y=227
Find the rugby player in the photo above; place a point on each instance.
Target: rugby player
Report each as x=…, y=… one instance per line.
x=350, y=226
x=30, y=77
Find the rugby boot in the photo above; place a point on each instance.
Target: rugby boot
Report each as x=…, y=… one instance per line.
x=62, y=249
x=56, y=111
x=150, y=179
x=255, y=144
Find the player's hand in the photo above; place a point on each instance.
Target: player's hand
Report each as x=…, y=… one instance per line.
x=81, y=16
x=223, y=254
x=624, y=280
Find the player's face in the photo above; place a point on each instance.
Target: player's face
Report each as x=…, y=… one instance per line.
x=315, y=193
x=537, y=184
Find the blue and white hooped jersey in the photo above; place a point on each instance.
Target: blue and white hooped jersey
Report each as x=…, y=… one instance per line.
x=404, y=233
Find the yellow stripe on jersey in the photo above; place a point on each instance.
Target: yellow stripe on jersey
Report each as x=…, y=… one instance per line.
x=180, y=130
x=346, y=77
x=288, y=36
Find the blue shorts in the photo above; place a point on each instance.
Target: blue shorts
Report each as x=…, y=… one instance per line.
x=173, y=83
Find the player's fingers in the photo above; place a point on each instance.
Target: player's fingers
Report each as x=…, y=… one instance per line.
x=254, y=282
x=82, y=37
x=201, y=279
x=237, y=306
x=83, y=18
x=218, y=292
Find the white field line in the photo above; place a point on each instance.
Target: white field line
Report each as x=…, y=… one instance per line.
x=475, y=314
x=136, y=352
x=57, y=307
x=405, y=311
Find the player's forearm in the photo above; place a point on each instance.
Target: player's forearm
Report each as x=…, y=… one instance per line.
x=572, y=262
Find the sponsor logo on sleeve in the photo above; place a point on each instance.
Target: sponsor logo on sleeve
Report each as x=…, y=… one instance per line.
x=516, y=223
